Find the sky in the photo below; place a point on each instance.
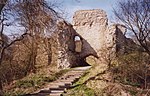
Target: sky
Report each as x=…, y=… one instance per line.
x=70, y=6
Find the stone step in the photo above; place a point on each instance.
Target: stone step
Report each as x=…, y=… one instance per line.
x=74, y=79
x=73, y=73
x=76, y=71
x=57, y=91
x=70, y=77
x=63, y=82
x=45, y=91
x=56, y=83
x=60, y=86
x=41, y=94
x=46, y=88
x=82, y=68
x=67, y=86
x=35, y=94
x=55, y=94
x=77, y=75
x=67, y=80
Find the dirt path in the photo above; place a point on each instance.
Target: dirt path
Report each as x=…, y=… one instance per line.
x=60, y=86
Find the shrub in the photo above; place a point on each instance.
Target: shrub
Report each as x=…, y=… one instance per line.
x=24, y=83
x=132, y=69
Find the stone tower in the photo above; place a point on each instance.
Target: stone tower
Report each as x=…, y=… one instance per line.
x=93, y=26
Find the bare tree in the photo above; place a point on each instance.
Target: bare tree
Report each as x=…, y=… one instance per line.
x=135, y=14
x=4, y=42
x=34, y=16
x=2, y=4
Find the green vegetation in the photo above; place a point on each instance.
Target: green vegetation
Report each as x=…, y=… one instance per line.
x=81, y=90
x=132, y=69
x=127, y=74
x=33, y=82
x=80, y=87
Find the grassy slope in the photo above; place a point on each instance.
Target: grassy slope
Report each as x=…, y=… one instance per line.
x=34, y=82
x=98, y=81
x=82, y=88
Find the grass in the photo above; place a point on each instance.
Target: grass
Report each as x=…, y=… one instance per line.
x=82, y=86
x=81, y=90
x=96, y=84
x=33, y=82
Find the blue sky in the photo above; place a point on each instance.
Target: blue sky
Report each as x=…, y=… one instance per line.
x=70, y=6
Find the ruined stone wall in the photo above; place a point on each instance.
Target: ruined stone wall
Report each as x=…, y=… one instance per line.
x=115, y=39
x=93, y=26
x=95, y=34
x=64, y=39
x=96, y=37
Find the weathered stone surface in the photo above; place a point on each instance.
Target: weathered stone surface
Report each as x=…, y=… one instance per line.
x=93, y=26
x=95, y=34
x=90, y=18
x=91, y=60
x=115, y=38
x=66, y=57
